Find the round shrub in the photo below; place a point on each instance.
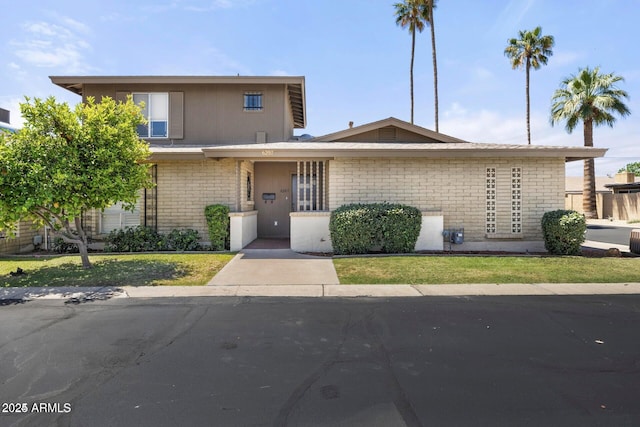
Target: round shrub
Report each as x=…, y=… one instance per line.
x=563, y=232
x=386, y=227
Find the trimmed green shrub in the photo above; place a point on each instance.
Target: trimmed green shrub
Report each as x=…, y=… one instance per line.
x=218, y=226
x=135, y=239
x=386, y=227
x=183, y=240
x=563, y=232
x=400, y=228
x=62, y=247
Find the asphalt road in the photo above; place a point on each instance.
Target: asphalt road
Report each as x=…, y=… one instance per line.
x=609, y=234
x=476, y=361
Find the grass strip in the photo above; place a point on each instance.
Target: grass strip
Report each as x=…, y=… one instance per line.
x=113, y=270
x=481, y=269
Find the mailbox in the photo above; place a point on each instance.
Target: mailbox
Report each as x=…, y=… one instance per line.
x=268, y=196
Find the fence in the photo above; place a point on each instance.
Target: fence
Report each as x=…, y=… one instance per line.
x=623, y=207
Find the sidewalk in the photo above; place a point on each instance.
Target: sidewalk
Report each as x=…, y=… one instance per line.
x=77, y=295
x=276, y=267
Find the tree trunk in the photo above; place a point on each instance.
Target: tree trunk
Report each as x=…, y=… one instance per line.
x=84, y=255
x=413, y=49
x=528, y=68
x=82, y=244
x=435, y=65
x=589, y=184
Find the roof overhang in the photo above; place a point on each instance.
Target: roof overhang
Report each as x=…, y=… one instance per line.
x=334, y=150
x=295, y=86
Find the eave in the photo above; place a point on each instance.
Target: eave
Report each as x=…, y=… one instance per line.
x=288, y=150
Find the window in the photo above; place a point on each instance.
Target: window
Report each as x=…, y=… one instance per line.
x=253, y=101
x=156, y=111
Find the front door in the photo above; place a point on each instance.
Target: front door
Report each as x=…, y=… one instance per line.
x=273, y=198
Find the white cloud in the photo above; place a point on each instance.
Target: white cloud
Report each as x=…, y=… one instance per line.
x=52, y=45
x=281, y=73
x=197, y=6
x=218, y=4
x=564, y=58
x=512, y=15
x=500, y=128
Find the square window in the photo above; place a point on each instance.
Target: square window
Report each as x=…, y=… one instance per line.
x=253, y=101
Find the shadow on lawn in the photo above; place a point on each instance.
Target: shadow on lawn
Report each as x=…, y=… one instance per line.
x=110, y=272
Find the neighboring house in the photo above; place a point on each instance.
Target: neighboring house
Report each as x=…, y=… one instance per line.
x=617, y=197
x=230, y=140
x=26, y=235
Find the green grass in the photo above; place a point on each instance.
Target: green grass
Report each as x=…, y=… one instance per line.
x=481, y=269
x=113, y=270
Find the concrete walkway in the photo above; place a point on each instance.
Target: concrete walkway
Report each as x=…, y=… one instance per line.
x=253, y=267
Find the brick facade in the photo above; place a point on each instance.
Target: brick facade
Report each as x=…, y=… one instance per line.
x=456, y=187
x=185, y=188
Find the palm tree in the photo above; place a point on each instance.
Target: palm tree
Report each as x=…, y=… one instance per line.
x=431, y=4
x=531, y=49
x=592, y=98
x=412, y=14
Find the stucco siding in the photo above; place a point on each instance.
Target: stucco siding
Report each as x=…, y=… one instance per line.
x=457, y=187
x=215, y=113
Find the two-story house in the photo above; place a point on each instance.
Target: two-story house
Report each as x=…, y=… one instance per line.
x=230, y=140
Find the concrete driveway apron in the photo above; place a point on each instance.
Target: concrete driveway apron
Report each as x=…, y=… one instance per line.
x=276, y=267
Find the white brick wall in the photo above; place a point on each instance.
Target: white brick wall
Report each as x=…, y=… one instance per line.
x=185, y=188
x=454, y=186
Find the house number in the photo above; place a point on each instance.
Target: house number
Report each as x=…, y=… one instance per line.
x=267, y=152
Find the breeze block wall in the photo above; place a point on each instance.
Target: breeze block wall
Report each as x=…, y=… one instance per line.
x=456, y=187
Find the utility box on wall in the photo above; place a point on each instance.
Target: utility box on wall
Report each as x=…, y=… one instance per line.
x=454, y=235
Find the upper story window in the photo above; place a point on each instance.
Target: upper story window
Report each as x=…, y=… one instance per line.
x=156, y=111
x=253, y=101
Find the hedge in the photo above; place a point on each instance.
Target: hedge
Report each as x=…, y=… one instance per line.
x=563, y=231
x=146, y=239
x=385, y=227
x=218, y=226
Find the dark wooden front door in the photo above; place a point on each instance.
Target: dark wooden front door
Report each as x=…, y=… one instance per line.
x=273, y=198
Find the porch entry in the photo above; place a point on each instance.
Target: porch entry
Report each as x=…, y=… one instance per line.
x=285, y=187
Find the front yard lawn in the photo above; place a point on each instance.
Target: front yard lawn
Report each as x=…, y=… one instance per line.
x=483, y=269
x=113, y=270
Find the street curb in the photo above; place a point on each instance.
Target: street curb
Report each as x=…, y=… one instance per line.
x=79, y=295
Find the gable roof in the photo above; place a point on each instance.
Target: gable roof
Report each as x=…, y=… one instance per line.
x=367, y=132
x=295, y=86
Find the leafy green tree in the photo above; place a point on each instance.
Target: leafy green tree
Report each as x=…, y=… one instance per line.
x=64, y=162
x=591, y=98
x=634, y=168
x=413, y=14
x=530, y=49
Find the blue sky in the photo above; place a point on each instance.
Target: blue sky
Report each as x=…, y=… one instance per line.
x=355, y=59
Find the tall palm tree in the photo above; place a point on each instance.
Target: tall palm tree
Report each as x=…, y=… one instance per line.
x=412, y=14
x=531, y=49
x=431, y=4
x=593, y=98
